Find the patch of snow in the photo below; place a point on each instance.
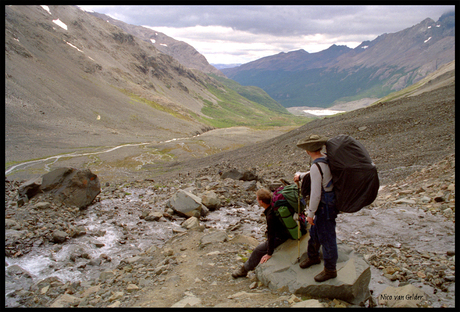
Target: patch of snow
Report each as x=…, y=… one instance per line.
x=438, y=25
x=153, y=40
x=365, y=47
x=46, y=8
x=60, y=24
x=163, y=44
x=84, y=8
x=426, y=40
x=73, y=46
x=429, y=27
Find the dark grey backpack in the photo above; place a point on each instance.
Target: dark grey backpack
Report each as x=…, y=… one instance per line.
x=354, y=175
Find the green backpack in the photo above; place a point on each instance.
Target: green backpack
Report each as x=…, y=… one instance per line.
x=285, y=204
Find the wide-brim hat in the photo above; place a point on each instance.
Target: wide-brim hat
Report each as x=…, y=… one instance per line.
x=312, y=142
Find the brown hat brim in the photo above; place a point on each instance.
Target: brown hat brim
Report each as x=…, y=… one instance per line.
x=312, y=143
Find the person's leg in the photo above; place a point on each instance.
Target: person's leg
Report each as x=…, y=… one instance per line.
x=312, y=249
x=255, y=256
x=328, y=240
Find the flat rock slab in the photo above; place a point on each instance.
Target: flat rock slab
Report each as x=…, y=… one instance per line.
x=282, y=271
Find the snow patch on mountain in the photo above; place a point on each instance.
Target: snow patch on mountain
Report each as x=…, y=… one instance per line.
x=60, y=24
x=46, y=8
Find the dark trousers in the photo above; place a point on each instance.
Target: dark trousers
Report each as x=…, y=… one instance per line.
x=323, y=234
x=257, y=254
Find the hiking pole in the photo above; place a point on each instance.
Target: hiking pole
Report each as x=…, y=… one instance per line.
x=298, y=222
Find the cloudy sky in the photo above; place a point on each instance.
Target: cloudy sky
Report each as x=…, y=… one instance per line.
x=240, y=34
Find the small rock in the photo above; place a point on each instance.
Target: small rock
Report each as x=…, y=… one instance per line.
x=191, y=223
x=59, y=236
x=132, y=287
x=116, y=295
x=154, y=216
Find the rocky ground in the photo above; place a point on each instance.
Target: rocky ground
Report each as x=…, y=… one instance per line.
x=412, y=143
x=194, y=266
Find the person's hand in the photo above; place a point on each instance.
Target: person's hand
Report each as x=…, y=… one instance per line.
x=296, y=178
x=295, y=217
x=310, y=220
x=265, y=258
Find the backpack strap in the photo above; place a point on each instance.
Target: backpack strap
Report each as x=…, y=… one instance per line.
x=316, y=161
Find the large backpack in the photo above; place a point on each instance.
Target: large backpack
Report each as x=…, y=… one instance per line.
x=354, y=175
x=285, y=204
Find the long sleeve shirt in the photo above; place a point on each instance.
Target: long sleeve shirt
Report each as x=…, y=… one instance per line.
x=274, y=229
x=316, y=181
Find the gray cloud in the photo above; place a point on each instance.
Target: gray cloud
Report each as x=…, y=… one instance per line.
x=265, y=30
x=280, y=20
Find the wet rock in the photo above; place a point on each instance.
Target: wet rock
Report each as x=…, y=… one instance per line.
x=211, y=200
x=59, y=237
x=185, y=204
x=191, y=223
x=154, y=216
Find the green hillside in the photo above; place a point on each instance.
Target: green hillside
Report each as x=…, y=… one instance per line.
x=245, y=106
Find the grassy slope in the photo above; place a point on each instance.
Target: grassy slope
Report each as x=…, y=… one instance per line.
x=246, y=106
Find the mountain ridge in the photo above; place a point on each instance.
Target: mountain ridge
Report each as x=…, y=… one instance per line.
x=375, y=68
x=180, y=50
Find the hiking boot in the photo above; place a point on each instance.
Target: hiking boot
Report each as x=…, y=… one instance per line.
x=241, y=272
x=309, y=262
x=325, y=275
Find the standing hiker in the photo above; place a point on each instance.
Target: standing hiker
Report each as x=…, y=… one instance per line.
x=276, y=235
x=322, y=211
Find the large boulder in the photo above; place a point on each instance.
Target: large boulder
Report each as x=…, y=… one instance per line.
x=185, y=204
x=282, y=271
x=70, y=186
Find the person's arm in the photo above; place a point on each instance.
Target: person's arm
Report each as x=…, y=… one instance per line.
x=315, y=192
x=298, y=176
x=271, y=224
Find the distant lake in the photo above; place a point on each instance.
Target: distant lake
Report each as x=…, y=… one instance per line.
x=322, y=112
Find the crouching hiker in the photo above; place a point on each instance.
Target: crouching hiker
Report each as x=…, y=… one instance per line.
x=276, y=235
